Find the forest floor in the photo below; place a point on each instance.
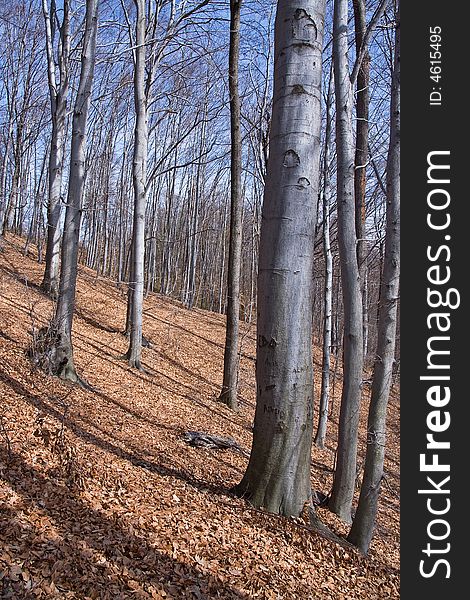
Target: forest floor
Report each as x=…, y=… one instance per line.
x=100, y=497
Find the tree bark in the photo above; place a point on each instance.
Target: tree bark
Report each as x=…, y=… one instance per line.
x=3, y=176
x=10, y=216
x=364, y=521
x=64, y=364
x=58, y=98
x=139, y=179
x=228, y=395
x=361, y=156
x=328, y=289
x=278, y=473
x=221, y=306
x=345, y=474
x=167, y=242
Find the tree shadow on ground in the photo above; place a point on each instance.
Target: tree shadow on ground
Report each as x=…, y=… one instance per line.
x=175, y=363
x=136, y=459
x=20, y=308
x=22, y=278
x=188, y=331
x=150, y=378
x=80, y=549
x=113, y=357
x=89, y=320
x=5, y=336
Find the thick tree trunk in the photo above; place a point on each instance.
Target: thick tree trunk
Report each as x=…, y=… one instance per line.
x=139, y=179
x=345, y=474
x=229, y=391
x=278, y=473
x=64, y=365
x=58, y=97
x=364, y=521
x=328, y=289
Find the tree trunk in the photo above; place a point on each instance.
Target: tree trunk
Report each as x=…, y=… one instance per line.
x=64, y=365
x=12, y=204
x=139, y=179
x=278, y=473
x=345, y=474
x=187, y=295
x=361, y=156
x=221, y=303
x=3, y=176
x=167, y=242
x=328, y=290
x=58, y=97
x=364, y=521
x=228, y=395
x=37, y=206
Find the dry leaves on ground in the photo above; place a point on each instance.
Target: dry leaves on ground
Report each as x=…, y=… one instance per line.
x=100, y=496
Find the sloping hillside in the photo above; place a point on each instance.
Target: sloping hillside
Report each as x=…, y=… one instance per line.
x=100, y=497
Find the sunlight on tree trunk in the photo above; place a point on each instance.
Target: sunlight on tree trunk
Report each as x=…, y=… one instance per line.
x=345, y=473
x=68, y=275
x=139, y=178
x=278, y=473
x=229, y=391
x=320, y=435
x=58, y=96
x=364, y=520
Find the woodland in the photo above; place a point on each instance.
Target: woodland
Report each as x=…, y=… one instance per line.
x=199, y=299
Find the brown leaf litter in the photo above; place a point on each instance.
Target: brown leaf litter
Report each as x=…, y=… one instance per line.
x=101, y=497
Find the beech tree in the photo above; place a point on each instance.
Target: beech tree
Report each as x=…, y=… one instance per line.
x=361, y=157
x=364, y=521
x=228, y=394
x=328, y=288
x=345, y=473
x=278, y=474
x=139, y=180
x=62, y=322
x=21, y=77
x=353, y=351
x=58, y=91
x=179, y=169
x=153, y=34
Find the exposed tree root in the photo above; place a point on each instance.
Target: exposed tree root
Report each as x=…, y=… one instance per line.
x=315, y=524
x=319, y=527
